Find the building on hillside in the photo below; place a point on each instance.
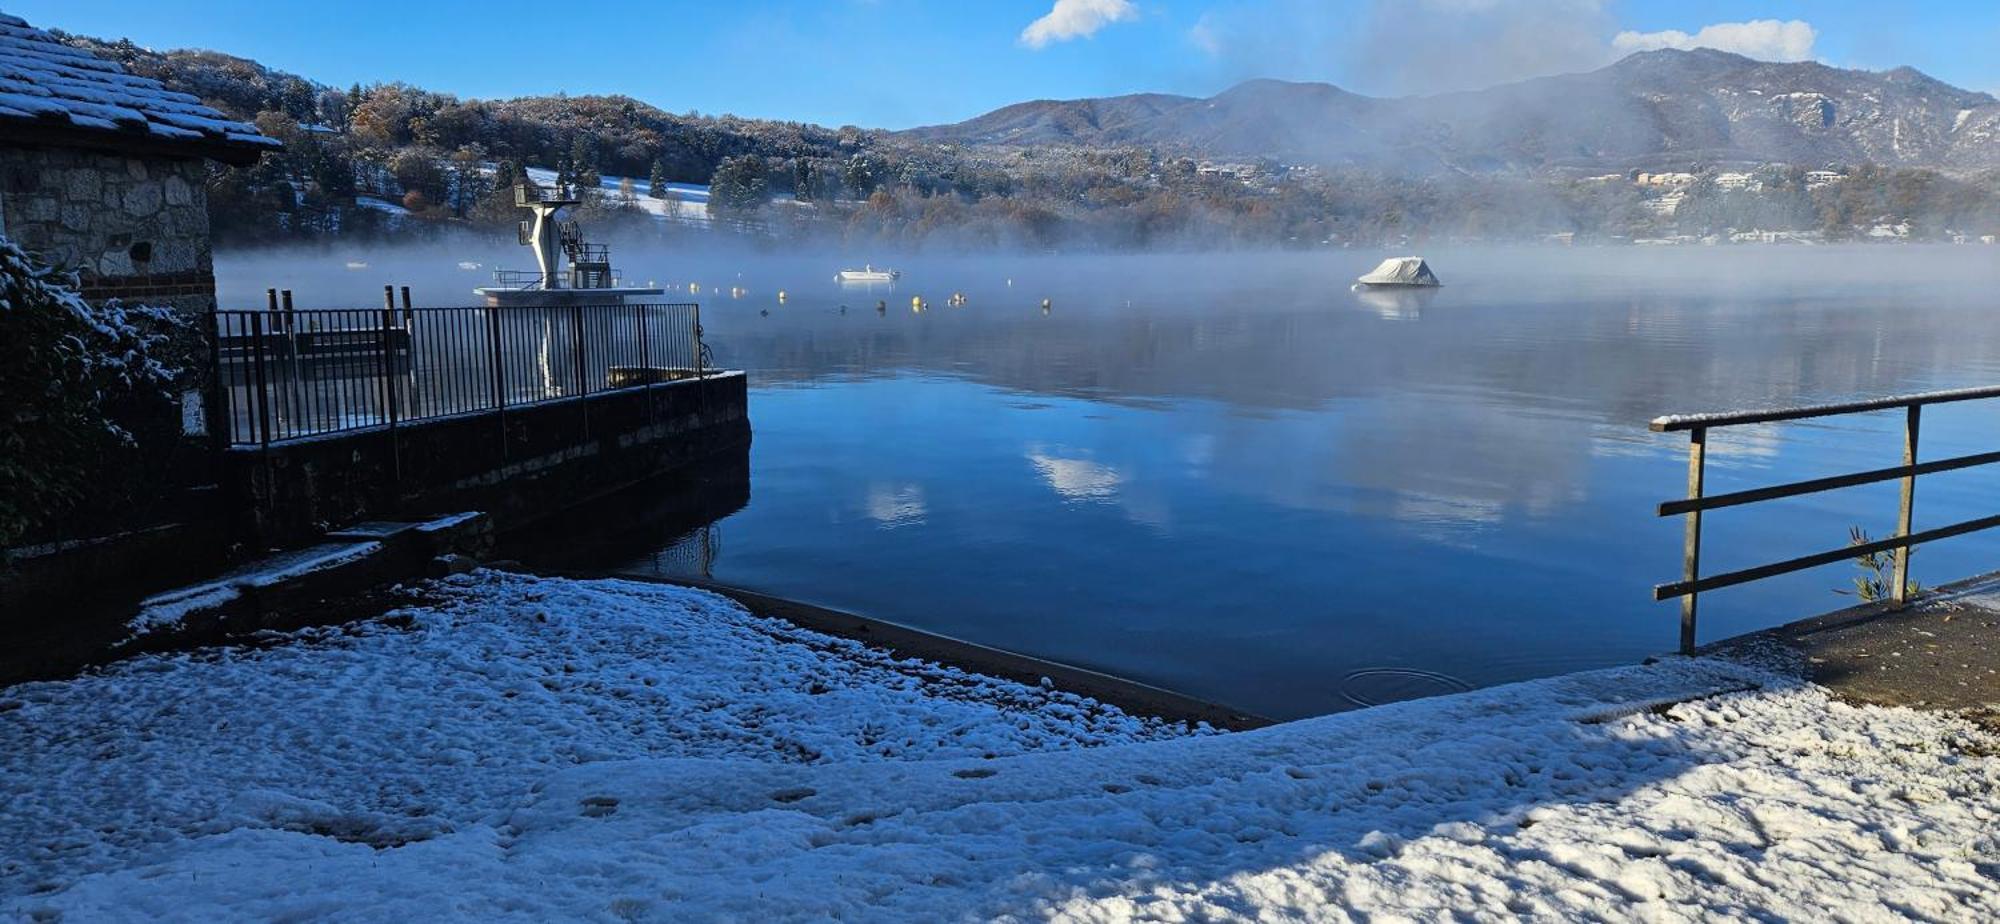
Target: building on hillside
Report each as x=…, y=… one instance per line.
x=1665, y=206
x=1669, y=180
x=103, y=171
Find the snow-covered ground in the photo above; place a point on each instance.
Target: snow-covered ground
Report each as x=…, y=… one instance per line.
x=384, y=206
x=683, y=201
x=534, y=749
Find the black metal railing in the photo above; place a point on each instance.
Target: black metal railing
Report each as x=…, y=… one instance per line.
x=531, y=280
x=288, y=374
x=520, y=279
x=1692, y=583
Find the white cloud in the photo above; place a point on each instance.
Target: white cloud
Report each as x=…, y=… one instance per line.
x=1077, y=479
x=1072, y=19
x=1763, y=39
x=1204, y=37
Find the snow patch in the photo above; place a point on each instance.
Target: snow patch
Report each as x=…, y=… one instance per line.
x=168, y=610
x=538, y=749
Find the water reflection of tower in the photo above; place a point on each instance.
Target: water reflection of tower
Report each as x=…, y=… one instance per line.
x=692, y=555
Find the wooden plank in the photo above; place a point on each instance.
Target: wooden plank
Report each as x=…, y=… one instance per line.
x=1901, y=592
x=1732, y=578
x=1815, y=485
x=1691, y=537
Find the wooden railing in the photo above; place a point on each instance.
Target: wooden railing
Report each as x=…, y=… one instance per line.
x=1692, y=583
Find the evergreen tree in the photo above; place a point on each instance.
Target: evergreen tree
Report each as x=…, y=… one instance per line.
x=583, y=165
x=565, y=172
x=740, y=184
x=656, y=186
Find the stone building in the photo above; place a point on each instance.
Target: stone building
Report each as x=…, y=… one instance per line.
x=103, y=171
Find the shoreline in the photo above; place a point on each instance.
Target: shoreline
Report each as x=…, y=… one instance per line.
x=904, y=641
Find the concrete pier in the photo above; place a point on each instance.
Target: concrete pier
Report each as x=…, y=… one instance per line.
x=1941, y=652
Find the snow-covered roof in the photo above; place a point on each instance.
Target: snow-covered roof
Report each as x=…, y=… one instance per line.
x=53, y=93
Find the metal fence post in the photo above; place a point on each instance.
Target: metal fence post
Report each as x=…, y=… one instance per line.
x=493, y=351
x=216, y=405
x=1903, y=514
x=582, y=380
x=389, y=366
x=699, y=370
x=263, y=399
x=576, y=322
x=645, y=352
x=1691, y=537
x=389, y=389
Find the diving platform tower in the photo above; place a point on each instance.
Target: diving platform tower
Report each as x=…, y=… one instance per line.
x=586, y=279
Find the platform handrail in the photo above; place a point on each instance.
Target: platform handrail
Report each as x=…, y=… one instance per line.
x=282, y=375
x=1693, y=583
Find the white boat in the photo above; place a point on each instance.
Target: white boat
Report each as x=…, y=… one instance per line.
x=1400, y=271
x=867, y=273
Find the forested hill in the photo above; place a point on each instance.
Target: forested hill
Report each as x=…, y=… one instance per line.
x=394, y=139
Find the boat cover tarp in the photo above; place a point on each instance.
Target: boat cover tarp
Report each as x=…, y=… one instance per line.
x=1401, y=271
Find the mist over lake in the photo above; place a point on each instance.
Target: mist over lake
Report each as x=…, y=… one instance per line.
x=1233, y=476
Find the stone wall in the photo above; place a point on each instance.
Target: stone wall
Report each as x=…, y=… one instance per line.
x=135, y=228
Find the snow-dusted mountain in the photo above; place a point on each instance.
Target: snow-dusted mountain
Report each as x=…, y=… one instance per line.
x=1653, y=109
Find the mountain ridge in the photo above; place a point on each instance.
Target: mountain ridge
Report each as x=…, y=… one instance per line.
x=1649, y=109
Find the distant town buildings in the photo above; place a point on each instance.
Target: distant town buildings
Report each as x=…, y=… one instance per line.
x=1666, y=180
x=1242, y=172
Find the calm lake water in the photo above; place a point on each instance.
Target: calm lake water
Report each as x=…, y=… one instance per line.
x=1233, y=477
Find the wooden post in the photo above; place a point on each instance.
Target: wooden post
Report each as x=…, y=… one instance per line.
x=1901, y=594
x=1691, y=538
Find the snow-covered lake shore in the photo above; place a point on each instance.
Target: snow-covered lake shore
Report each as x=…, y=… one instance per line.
x=521, y=748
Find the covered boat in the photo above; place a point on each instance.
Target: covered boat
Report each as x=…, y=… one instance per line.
x=867, y=273
x=1400, y=271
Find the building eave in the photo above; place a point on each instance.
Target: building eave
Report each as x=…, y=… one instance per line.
x=39, y=133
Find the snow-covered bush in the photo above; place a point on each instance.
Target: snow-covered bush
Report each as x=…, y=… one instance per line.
x=83, y=389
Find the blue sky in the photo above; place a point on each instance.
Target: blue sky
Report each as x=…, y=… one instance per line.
x=898, y=63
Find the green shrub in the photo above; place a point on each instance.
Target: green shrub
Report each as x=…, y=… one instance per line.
x=1877, y=579
x=82, y=388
